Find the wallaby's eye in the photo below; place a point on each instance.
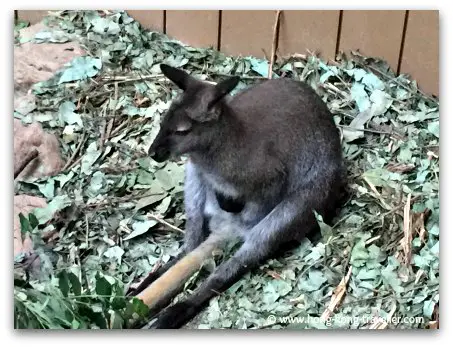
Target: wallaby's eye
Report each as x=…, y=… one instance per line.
x=182, y=132
x=183, y=128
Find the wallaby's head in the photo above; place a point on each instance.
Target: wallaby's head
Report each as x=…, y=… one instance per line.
x=192, y=121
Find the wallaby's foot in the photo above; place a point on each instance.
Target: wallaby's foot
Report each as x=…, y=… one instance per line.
x=174, y=317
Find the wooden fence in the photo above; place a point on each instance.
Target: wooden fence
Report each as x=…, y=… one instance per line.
x=407, y=40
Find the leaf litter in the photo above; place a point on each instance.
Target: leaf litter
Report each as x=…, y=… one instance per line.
x=115, y=214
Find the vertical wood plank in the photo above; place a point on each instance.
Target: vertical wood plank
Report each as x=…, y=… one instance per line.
x=374, y=33
x=32, y=16
x=313, y=30
x=195, y=28
x=149, y=19
x=247, y=32
x=420, y=56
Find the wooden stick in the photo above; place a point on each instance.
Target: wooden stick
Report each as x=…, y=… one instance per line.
x=167, y=285
x=27, y=159
x=68, y=163
x=274, y=44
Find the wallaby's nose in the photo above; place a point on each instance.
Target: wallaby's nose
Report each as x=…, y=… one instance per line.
x=159, y=155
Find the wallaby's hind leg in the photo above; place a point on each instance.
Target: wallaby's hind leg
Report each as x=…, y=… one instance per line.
x=288, y=221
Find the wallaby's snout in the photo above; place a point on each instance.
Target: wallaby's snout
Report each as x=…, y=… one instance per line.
x=160, y=150
x=159, y=155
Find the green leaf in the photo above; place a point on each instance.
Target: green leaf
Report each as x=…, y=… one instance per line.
x=434, y=129
x=114, y=252
x=165, y=178
x=326, y=230
x=360, y=96
x=64, y=178
x=81, y=68
x=67, y=115
x=163, y=206
x=118, y=303
x=359, y=254
x=144, y=177
x=377, y=177
x=103, y=287
x=54, y=36
x=75, y=324
x=314, y=281
x=140, y=228
x=357, y=123
x=48, y=189
x=275, y=289
x=381, y=101
x=75, y=284
x=390, y=277
x=358, y=74
x=33, y=221
x=260, y=66
x=25, y=226
x=176, y=61
x=63, y=282
x=428, y=308
x=43, y=215
x=372, y=82
x=97, y=182
x=149, y=200
x=365, y=274
x=105, y=26
x=90, y=157
x=139, y=307
x=355, y=220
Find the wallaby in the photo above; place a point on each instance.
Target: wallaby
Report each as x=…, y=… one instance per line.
x=259, y=164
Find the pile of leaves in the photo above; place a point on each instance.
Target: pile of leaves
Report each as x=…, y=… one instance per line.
x=114, y=214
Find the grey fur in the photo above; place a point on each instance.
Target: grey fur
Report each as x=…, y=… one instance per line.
x=273, y=146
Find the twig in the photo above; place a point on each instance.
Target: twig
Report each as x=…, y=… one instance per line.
x=103, y=128
x=160, y=220
x=241, y=77
x=87, y=230
x=75, y=163
x=377, y=195
x=407, y=229
x=118, y=128
x=372, y=239
x=337, y=296
x=274, y=44
x=27, y=159
x=366, y=130
x=68, y=163
x=110, y=125
x=125, y=79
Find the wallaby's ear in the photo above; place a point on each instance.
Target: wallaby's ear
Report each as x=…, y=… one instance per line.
x=177, y=76
x=223, y=88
